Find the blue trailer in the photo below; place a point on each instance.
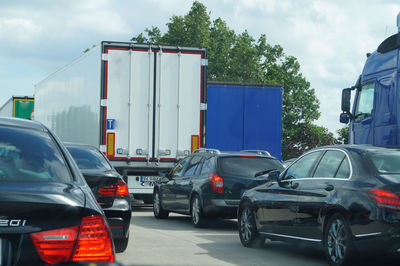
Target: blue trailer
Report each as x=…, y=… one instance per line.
x=242, y=116
x=375, y=117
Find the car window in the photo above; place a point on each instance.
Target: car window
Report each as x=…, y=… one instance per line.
x=180, y=167
x=207, y=166
x=302, y=167
x=344, y=169
x=31, y=156
x=329, y=164
x=192, y=165
x=247, y=166
x=89, y=158
x=387, y=162
x=365, y=102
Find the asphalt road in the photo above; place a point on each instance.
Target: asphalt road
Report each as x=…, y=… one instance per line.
x=175, y=241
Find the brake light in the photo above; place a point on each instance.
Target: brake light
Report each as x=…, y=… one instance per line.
x=91, y=241
x=217, y=183
x=118, y=189
x=94, y=241
x=55, y=246
x=385, y=199
x=248, y=156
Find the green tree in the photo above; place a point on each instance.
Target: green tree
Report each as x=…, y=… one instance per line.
x=241, y=58
x=343, y=135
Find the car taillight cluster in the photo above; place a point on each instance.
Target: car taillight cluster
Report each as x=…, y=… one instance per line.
x=91, y=241
x=217, y=183
x=385, y=199
x=118, y=189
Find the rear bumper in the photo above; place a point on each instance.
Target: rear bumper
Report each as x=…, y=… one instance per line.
x=221, y=208
x=119, y=217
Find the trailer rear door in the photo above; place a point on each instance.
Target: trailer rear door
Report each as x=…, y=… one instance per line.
x=152, y=102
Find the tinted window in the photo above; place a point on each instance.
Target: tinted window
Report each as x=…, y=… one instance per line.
x=344, y=169
x=386, y=163
x=30, y=155
x=247, y=166
x=192, y=166
x=302, y=167
x=329, y=164
x=89, y=158
x=207, y=166
x=180, y=167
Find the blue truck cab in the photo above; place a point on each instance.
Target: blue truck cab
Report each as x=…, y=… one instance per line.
x=375, y=116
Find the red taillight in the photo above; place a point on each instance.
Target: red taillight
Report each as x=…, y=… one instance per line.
x=94, y=241
x=118, y=189
x=91, y=241
x=385, y=199
x=55, y=246
x=217, y=183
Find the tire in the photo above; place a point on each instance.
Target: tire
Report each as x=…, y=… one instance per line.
x=121, y=244
x=158, y=210
x=338, y=242
x=198, y=217
x=248, y=233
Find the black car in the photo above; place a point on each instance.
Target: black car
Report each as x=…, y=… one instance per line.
x=48, y=214
x=209, y=183
x=109, y=188
x=343, y=198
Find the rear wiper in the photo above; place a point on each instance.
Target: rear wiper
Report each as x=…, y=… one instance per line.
x=263, y=172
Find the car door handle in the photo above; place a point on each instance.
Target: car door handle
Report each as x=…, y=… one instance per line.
x=329, y=187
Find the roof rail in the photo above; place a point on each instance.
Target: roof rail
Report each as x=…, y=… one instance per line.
x=259, y=152
x=207, y=150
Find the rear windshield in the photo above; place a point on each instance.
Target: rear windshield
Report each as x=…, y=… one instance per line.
x=30, y=156
x=247, y=166
x=386, y=163
x=89, y=159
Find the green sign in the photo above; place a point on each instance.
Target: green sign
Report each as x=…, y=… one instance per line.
x=23, y=108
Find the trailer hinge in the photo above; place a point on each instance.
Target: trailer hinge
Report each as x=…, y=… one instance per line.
x=104, y=57
x=203, y=106
x=204, y=62
x=103, y=148
x=103, y=102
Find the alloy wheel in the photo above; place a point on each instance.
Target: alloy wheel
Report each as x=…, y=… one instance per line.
x=196, y=210
x=337, y=241
x=246, y=224
x=156, y=204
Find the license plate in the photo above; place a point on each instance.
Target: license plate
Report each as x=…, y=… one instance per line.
x=149, y=178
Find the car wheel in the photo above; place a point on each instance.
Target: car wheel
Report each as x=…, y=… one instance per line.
x=158, y=210
x=247, y=227
x=121, y=244
x=198, y=218
x=338, y=243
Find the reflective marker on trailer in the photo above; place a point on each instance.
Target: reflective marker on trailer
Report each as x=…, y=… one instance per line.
x=195, y=143
x=110, y=144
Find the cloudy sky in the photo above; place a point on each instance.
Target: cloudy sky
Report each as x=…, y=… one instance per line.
x=329, y=38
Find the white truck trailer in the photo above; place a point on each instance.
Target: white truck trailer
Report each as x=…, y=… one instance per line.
x=142, y=105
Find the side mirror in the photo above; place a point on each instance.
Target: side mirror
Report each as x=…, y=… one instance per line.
x=346, y=95
x=344, y=118
x=274, y=175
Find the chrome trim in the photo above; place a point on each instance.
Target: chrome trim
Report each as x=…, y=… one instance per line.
x=293, y=237
x=323, y=178
x=370, y=234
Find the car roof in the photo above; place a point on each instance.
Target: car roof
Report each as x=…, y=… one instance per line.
x=361, y=148
x=22, y=123
x=232, y=153
x=79, y=145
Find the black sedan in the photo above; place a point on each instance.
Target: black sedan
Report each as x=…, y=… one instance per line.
x=109, y=188
x=344, y=198
x=48, y=215
x=209, y=183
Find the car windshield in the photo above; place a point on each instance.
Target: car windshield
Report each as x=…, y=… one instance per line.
x=89, y=158
x=386, y=163
x=247, y=165
x=30, y=156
